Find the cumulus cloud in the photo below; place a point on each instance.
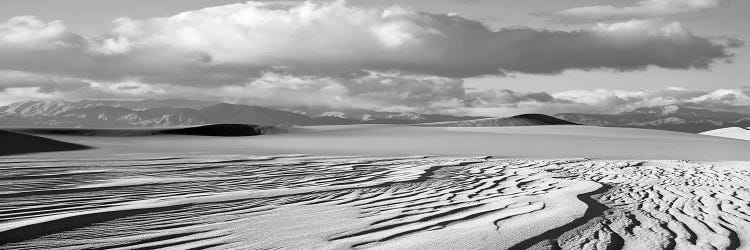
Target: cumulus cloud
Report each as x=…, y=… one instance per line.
x=333, y=54
x=733, y=100
x=615, y=101
x=610, y=101
x=44, y=83
x=388, y=92
x=372, y=91
x=237, y=43
x=28, y=32
x=641, y=9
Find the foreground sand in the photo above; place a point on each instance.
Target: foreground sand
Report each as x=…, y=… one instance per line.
x=213, y=193
x=341, y=202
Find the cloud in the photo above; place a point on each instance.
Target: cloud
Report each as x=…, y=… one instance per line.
x=732, y=100
x=335, y=54
x=28, y=32
x=616, y=101
x=45, y=83
x=238, y=43
x=401, y=93
x=641, y=9
x=372, y=91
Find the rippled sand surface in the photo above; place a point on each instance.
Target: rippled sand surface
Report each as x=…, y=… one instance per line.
x=301, y=201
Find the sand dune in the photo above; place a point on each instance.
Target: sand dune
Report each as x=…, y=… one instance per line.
x=298, y=201
x=228, y=130
x=547, y=142
x=519, y=120
x=731, y=132
x=15, y=143
x=407, y=187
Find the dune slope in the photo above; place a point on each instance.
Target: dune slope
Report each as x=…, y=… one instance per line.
x=224, y=130
x=546, y=142
x=519, y=120
x=14, y=143
x=731, y=132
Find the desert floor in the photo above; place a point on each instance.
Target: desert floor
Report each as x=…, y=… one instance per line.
x=388, y=187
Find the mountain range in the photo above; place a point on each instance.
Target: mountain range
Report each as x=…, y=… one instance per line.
x=178, y=112
x=670, y=117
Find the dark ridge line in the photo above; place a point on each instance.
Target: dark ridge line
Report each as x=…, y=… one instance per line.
x=31, y=212
x=217, y=130
x=90, y=160
x=190, y=163
x=734, y=240
x=43, y=176
x=12, y=143
x=207, y=246
x=429, y=172
x=197, y=169
x=595, y=209
x=374, y=204
x=69, y=190
x=148, y=240
x=399, y=224
x=174, y=226
x=439, y=225
x=33, y=231
x=164, y=245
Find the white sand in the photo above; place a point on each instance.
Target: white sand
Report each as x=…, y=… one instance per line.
x=260, y=192
x=389, y=140
x=386, y=203
x=731, y=132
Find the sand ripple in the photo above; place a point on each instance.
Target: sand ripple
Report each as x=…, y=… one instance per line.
x=300, y=201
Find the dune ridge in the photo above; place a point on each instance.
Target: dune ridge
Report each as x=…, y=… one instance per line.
x=518, y=120
x=740, y=133
x=16, y=143
x=224, y=130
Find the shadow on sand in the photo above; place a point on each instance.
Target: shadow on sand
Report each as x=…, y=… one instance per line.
x=222, y=130
x=14, y=143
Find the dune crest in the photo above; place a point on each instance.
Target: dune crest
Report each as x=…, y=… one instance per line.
x=224, y=130
x=15, y=143
x=519, y=120
x=739, y=133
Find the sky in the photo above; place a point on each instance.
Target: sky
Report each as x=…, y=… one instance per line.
x=468, y=57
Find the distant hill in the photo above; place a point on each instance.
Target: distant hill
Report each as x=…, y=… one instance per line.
x=519, y=120
x=375, y=117
x=178, y=113
x=226, y=130
x=670, y=117
x=59, y=106
x=731, y=132
x=22, y=144
x=232, y=113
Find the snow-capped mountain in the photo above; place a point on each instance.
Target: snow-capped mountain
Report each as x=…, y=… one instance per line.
x=670, y=117
x=177, y=112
